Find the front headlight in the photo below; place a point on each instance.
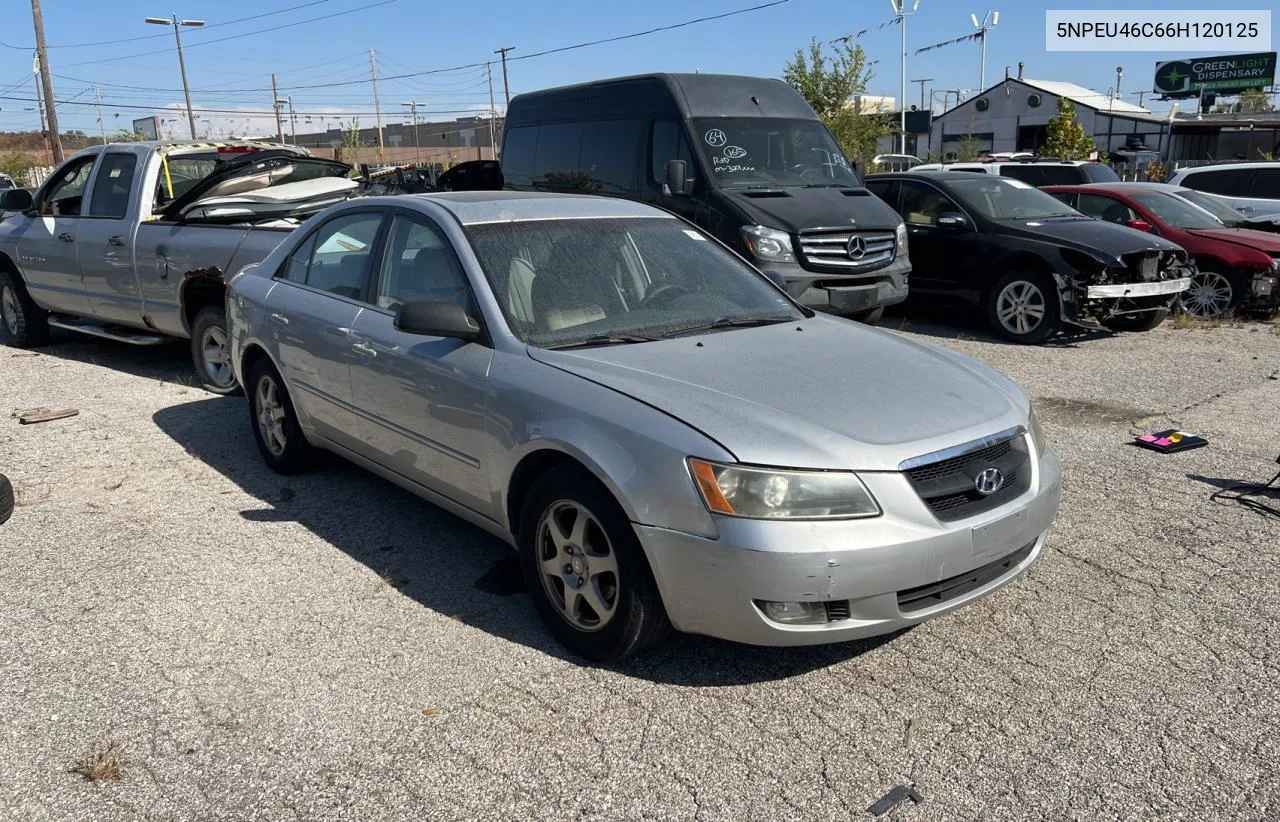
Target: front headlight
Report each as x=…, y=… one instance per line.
x=900, y=237
x=1037, y=433
x=770, y=493
x=768, y=244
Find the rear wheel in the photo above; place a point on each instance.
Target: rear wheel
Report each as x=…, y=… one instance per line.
x=1145, y=321
x=23, y=324
x=275, y=424
x=6, y=499
x=1024, y=308
x=211, y=351
x=1212, y=294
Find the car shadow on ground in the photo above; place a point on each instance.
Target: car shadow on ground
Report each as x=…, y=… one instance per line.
x=442, y=562
x=956, y=321
x=167, y=361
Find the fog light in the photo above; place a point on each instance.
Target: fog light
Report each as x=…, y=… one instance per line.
x=1263, y=286
x=793, y=613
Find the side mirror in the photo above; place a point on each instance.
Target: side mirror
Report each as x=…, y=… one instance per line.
x=437, y=318
x=1140, y=225
x=952, y=221
x=676, y=183
x=17, y=199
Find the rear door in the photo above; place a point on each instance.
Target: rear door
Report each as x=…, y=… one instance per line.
x=1264, y=191
x=105, y=241
x=312, y=311
x=422, y=399
x=47, y=248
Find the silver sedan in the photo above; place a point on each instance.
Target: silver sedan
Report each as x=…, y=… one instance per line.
x=664, y=436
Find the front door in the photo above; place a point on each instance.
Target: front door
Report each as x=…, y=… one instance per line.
x=47, y=248
x=312, y=311
x=939, y=262
x=668, y=142
x=423, y=399
x=106, y=240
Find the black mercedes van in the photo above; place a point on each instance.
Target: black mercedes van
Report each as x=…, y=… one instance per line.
x=744, y=158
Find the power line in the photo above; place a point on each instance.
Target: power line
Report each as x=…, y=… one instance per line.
x=178, y=109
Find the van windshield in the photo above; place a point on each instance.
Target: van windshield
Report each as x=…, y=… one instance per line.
x=759, y=153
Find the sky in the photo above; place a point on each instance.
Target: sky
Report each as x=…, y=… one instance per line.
x=319, y=50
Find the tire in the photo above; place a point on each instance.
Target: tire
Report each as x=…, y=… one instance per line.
x=6, y=499
x=1145, y=321
x=23, y=324
x=627, y=616
x=211, y=351
x=283, y=446
x=869, y=317
x=1024, y=307
x=1212, y=294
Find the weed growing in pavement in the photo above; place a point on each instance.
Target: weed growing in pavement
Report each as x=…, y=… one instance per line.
x=1183, y=321
x=101, y=765
x=386, y=580
x=24, y=496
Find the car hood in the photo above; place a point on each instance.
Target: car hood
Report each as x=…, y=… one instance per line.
x=1094, y=237
x=1249, y=238
x=795, y=209
x=818, y=393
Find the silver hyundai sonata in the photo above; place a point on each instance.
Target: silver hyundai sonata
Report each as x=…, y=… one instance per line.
x=664, y=436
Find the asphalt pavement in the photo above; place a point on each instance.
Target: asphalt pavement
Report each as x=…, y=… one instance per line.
x=328, y=647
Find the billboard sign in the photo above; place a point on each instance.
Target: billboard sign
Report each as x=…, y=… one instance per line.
x=148, y=128
x=1230, y=74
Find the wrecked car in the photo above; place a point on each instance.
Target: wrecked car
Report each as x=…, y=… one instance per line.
x=130, y=241
x=1030, y=261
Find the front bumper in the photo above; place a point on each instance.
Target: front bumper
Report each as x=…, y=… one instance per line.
x=1132, y=290
x=710, y=586
x=845, y=293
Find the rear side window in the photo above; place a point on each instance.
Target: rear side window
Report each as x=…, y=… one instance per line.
x=518, y=148
x=555, y=163
x=1233, y=182
x=1266, y=183
x=1099, y=173
x=112, y=185
x=885, y=190
x=667, y=143
x=338, y=255
x=608, y=158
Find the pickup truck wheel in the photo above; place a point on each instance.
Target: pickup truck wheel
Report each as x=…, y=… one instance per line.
x=23, y=324
x=211, y=351
x=275, y=424
x=586, y=570
x=1024, y=308
x=6, y=499
x=1145, y=321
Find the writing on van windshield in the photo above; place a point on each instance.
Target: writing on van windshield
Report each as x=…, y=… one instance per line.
x=773, y=152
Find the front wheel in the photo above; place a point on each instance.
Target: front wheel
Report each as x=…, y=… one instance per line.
x=23, y=324
x=1024, y=308
x=1212, y=294
x=276, y=431
x=586, y=569
x=1145, y=321
x=211, y=351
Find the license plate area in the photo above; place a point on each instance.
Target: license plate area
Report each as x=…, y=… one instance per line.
x=1002, y=536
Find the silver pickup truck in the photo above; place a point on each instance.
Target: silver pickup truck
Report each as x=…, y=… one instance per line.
x=131, y=241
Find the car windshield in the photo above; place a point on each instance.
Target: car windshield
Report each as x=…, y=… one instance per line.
x=564, y=283
x=1213, y=205
x=1173, y=211
x=771, y=153
x=1000, y=198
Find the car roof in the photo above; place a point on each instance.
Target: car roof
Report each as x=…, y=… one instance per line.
x=476, y=207
x=1220, y=166
x=917, y=174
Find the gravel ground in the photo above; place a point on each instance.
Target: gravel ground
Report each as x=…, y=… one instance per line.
x=328, y=647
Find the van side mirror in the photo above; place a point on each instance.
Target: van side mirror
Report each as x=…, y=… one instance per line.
x=436, y=318
x=952, y=221
x=17, y=199
x=677, y=184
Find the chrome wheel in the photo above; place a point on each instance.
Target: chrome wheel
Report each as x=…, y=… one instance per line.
x=1020, y=307
x=216, y=355
x=271, y=415
x=578, y=566
x=9, y=309
x=1209, y=296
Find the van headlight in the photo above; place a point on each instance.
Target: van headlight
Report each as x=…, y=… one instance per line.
x=1037, y=433
x=768, y=244
x=900, y=237
x=774, y=493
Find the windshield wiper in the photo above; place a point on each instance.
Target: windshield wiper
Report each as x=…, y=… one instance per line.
x=604, y=339
x=729, y=322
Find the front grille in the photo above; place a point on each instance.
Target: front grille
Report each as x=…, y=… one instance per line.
x=830, y=249
x=837, y=609
x=948, y=484
x=936, y=593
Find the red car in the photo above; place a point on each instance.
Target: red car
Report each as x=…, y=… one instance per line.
x=1239, y=268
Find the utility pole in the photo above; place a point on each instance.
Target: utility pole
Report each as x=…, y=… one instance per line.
x=506, y=88
x=417, y=150
x=44, y=132
x=493, y=113
x=293, y=120
x=46, y=81
x=377, y=106
x=102, y=123
x=922, y=81
x=275, y=104
x=900, y=11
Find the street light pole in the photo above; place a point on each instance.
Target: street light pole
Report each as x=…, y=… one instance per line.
x=983, y=28
x=182, y=63
x=900, y=10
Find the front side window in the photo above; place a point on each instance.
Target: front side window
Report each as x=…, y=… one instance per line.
x=667, y=142
x=1174, y=211
x=339, y=255
x=419, y=265
x=921, y=204
x=65, y=193
x=604, y=281
x=1000, y=198
x=113, y=185
x=772, y=153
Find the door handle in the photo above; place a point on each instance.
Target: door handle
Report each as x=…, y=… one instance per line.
x=280, y=318
x=365, y=348
x=66, y=237
x=116, y=240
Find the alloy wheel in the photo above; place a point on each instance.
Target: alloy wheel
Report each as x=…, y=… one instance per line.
x=9, y=309
x=1209, y=296
x=271, y=416
x=216, y=355
x=577, y=564
x=1020, y=307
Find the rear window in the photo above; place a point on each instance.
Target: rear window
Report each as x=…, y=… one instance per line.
x=1037, y=175
x=1233, y=182
x=1100, y=173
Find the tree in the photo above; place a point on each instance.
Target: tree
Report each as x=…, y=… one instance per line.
x=969, y=147
x=1066, y=138
x=1255, y=99
x=16, y=166
x=830, y=85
